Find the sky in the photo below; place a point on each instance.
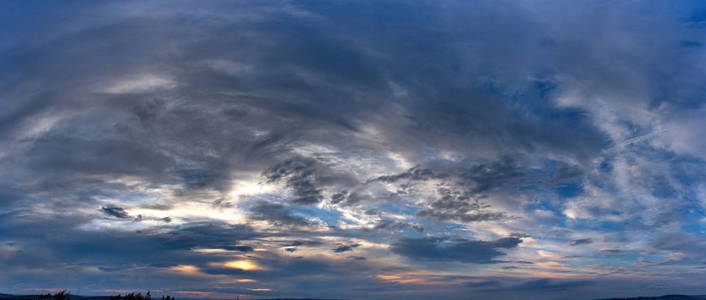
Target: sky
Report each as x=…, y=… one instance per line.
x=353, y=149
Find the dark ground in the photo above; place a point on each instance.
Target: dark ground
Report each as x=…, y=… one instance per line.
x=75, y=297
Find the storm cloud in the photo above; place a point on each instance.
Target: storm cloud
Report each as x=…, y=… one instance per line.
x=441, y=249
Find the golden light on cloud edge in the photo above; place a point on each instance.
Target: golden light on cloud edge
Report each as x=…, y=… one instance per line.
x=244, y=265
x=260, y=290
x=187, y=269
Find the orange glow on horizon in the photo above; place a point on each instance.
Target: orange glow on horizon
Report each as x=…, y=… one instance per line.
x=195, y=293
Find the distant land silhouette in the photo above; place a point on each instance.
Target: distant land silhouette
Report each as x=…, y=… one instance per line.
x=130, y=296
x=137, y=296
x=665, y=297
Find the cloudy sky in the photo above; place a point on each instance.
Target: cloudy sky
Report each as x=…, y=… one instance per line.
x=353, y=149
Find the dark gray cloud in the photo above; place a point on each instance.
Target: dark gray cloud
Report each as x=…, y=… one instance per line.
x=611, y=251
x=294, y=245
x=459, y=211
x=65, y=239
x=578, y=242
x=344, y=248
x=115, y=211
x=415, y=173
x=206, y=235
x=463, y=186
x=299, y=176
x=277, y=214
x=307, y=178
x=240, y=248
x=303, y=243
x=386, y=224
x=445, y=249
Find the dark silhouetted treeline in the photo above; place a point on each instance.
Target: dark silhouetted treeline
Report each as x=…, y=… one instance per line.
x=65, y=295
x=138, y=296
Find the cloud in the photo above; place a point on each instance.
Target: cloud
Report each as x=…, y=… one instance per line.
x=344, y=248
x=461, y=250
x=386, y=224
x=611, y=251
x=293, y=246
x=681, y=248
x=277, y=214
x=300, y=176
x=415, y=173
x=240, y=248
x=306, y=177
x=303, y=243
x=578, y=242
x=206, y=235
x=68, y=239
x=115, y=211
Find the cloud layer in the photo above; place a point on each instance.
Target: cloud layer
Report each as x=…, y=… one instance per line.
x=353, y=149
